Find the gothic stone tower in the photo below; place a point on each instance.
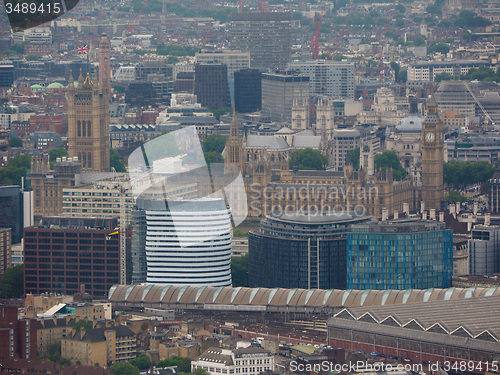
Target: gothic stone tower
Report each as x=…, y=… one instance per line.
x=234, y=150
x=300, y=115
x=432, y=157
x=324, y=122
x=88, y=124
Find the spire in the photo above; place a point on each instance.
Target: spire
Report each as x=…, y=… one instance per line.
x=88, y=80
x=234, y=147
x=432, y=106
x=234, y=131
x=80, y=79
x=71, y=80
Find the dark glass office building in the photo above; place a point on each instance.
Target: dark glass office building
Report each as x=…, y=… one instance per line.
x=211, y=86
x=247, y=90
x=301, y=251
x=11, y=207
x=400, y=254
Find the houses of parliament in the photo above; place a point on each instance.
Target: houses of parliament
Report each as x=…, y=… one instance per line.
x=273, y=187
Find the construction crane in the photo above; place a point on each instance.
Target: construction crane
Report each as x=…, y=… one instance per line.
x=486, y=114
x=315, y=37
x=262, y=6
x=240, y=6
x=132, y=26
x=341, y=34
x=381, y=63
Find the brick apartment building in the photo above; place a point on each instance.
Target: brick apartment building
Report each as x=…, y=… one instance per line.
x=62, y=253
x=17, y=337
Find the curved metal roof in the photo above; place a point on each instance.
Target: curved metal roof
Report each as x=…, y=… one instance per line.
x=197, y=296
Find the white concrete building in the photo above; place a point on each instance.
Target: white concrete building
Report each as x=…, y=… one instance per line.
x=243, y=361
x=331, y=78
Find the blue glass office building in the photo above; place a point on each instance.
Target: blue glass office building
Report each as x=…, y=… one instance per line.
x=401, y=254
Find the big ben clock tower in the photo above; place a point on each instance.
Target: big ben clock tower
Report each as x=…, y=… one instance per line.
x=432, y=157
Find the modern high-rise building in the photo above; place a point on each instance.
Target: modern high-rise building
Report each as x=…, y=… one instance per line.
x=63, y=253
x=188, y=242
x=305, y=251
x=404, y=254
x=234, y=60
x=12, y=209
x=456, y=96
x=343, y=140
x=5, y=250
x=280, y=91
x=331, y=78
x=432, y=158
x=247, y=90
x=211, y=85
x=484, y=250
x=266, y=35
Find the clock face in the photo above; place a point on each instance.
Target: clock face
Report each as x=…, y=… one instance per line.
x=429, y=137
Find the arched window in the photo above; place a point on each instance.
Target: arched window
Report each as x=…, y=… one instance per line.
x=89, y=129
x=84, y=161
x=84, y=129
x=80, y=156
x=323, y=122
x=89, y=160
x=79, y=129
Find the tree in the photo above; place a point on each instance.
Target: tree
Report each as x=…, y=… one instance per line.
x=309, y=159
x=387, y=160
x=12, y=283
x=115, y=161
x=183, y=364
x=467, y=18
x=54, y=352
x=220, y=111
x=124, y=368
x=454, y=196
x=15, y=142
x=354, y=156
x=57, y=152
x=87, y=325
x=403, y=76
x=395, y=66
x=17, y=168
x=443, y=77
x=120, y=89
x=239, y=270
x=201, y=371
x=440, y=47
x=462, y=174
x=214, y=142
x=142, y=362
x=239, y=233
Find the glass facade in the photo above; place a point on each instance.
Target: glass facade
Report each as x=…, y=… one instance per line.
x=407, y=255
x=300, y=251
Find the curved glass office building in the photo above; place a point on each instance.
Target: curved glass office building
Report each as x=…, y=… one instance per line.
x=188, y=242
x=301, y=250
